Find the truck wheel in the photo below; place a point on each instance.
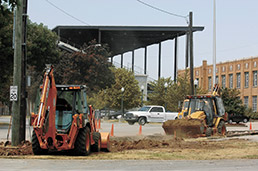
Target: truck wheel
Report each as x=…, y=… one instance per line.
x=97, y=139
x=131, y=123
x=82, y=142
x=142, y=121
x=222, y=128
x=36, y=147
x=245, y=120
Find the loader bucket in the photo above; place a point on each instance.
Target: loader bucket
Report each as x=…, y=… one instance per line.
x=184, y=128
x=105, y=143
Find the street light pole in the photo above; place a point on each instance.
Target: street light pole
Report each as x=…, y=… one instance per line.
x=122, y=100
x=142, y=88
x=195, y=86
x=166, y=85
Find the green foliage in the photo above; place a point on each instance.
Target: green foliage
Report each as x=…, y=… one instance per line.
x=159, y=91
x=90, y=68
x=111, y=97
x=232, y=101
x=174, y=94
x=250, y=113
x=6, y=55
x=41, y=46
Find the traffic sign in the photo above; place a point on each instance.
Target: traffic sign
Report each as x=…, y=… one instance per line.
x=13, y=93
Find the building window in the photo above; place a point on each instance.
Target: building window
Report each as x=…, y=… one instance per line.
x=223, y=81
x=238, y=66
x=255, y=64
x=255, y=78
x=230, y=80
x=246, y=79
x=238, y=83
x=209, y=83
x=217, y=80
x=209, y=71
x=223, y=69
x=246, y=101
x=254, y=103
x=246, y=65
x=230, y=68
x=197, y=73
x=217, y=70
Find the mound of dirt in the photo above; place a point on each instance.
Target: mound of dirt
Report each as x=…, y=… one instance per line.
x=24, y=149
x=183, y=127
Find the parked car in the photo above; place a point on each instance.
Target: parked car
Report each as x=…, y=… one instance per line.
x=149, y=114
x=237, y=118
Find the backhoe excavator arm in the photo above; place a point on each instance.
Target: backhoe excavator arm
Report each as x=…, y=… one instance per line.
x=46, y=112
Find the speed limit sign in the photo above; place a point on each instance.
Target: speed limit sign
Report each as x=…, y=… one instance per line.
x=13, y=93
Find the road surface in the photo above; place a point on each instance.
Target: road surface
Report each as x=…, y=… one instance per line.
x=199, y=165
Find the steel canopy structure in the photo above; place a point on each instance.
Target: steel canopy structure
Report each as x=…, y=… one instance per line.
x=122, y=39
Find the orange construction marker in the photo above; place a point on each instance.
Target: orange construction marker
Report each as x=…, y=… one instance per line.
x=250, y=127
x=112, y=131
x=140, y=130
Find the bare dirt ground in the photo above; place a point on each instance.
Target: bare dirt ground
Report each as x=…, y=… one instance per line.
x=157, y=147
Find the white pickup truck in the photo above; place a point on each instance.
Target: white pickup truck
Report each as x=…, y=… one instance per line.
x=149, y=114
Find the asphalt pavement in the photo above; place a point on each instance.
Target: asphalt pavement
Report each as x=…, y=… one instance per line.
x=182, y=165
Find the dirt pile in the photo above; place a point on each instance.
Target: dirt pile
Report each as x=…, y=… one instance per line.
x=183, y=127
x=8, y=150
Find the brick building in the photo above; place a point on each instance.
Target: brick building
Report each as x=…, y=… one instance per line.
x=240, y=74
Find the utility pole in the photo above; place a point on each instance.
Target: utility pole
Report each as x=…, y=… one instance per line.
x=214, y=42
x=191, y=52
x=19, y=74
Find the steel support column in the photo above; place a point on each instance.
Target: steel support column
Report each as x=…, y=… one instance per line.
x=133, y=60
x=99, y=37
x=145, y=60
x=175, y=63
x=159, y=64
x=122, y=58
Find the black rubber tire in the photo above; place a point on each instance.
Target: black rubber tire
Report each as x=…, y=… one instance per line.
x=83, y=139
x=245, y=120
x=131, y=123
x=97, y=139
x=36, y=147
x=142, y=121
x=222, y=128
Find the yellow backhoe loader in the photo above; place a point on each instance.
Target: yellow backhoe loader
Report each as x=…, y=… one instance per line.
x=201, y=115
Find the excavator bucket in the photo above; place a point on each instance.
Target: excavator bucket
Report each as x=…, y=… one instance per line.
x=184, y=128
x=105, y=143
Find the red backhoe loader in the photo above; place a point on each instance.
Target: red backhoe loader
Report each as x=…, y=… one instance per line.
x=63, y=121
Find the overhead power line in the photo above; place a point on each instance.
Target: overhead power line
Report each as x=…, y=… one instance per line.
x=164, y=11
x=63, y=11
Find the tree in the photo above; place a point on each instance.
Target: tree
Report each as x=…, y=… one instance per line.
x=90, y=67
x=232, y=101
x=6, y=55
x=41, y=46
x=111, y=97
x=172, y=95
x=159, y=91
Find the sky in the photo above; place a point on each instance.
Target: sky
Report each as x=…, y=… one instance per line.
x=236, y=26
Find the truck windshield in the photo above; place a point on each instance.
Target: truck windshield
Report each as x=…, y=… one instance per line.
x=145, y=108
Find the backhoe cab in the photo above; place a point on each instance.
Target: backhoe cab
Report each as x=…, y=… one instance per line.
x=63, y=121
